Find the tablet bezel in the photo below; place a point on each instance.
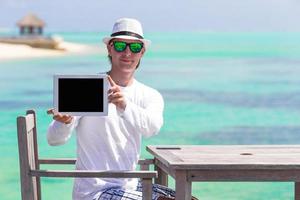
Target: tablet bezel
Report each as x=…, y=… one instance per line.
x=105, y=98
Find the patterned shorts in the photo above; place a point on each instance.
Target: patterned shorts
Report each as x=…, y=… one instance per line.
x=121, y=194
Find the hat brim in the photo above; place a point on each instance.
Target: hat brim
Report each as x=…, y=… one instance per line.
x=145, y=41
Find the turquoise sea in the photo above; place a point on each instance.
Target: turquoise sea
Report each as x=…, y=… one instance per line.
x=219, y=88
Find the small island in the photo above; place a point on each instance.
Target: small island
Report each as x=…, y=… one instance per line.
x=31, y=34
x=31, y=42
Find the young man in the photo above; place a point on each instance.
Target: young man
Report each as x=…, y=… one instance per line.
x=113, y=142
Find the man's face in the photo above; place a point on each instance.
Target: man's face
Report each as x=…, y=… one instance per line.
x=125, y=61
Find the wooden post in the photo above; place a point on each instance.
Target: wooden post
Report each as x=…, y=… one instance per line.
x=162, y=177
x=40, y=30
x=22, y=30
x=183, y=186
x=147, y=188
x=26, y=180
x=145, y=164
x=297, y=190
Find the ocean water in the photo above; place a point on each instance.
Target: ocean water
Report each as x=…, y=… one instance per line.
x=219, y=88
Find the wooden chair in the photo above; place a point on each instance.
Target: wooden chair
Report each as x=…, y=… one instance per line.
x=31, y=173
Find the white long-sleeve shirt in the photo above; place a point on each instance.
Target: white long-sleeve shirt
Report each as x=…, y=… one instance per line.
x=111, y=142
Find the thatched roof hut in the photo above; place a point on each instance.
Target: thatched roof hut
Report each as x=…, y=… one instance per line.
x=31, y=29
x=31, y=25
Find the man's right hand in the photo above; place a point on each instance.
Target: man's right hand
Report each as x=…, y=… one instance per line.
x=66, y=119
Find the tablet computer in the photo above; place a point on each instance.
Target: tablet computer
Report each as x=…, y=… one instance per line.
x=81, y=95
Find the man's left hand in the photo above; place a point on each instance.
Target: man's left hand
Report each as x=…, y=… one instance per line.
x=115, y=95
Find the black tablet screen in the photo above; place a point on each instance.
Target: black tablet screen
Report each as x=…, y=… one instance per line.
x=80, y=95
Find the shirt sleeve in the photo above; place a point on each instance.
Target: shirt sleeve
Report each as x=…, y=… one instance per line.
x=148, y=120
x=59, y=133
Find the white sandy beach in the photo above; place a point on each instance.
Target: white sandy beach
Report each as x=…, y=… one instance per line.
x=16, y=52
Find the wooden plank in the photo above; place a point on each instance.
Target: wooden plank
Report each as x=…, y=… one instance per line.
x=228, y=149
x=27, y=192
x=57, y=161
x=73, y=161
x=224, y=147
x=31, y=160
x=244, y=175
x=297, y=190
x=147, y=189
x=93, y=173
x=29, y=122
x=183, y=186
x=164, y=154
x=248, y=166
x=33, y=130
x=227, y=157
x=146, y=161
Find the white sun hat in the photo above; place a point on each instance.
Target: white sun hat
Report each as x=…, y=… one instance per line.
x=127, y=28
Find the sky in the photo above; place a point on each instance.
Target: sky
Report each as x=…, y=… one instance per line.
x=159, y=15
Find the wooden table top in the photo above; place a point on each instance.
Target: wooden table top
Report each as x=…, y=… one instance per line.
x=277, y=157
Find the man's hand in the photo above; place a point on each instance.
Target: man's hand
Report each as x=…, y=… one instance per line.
x=115, y=95
x=60, y=117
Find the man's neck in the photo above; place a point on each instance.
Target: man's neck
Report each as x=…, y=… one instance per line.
x=121, y=79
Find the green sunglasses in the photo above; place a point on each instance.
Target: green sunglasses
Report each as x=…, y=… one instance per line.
x=135, y=47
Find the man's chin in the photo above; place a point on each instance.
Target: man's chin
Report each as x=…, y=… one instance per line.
x=128, y=69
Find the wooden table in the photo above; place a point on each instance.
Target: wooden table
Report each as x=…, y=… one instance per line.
x=187, y=164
